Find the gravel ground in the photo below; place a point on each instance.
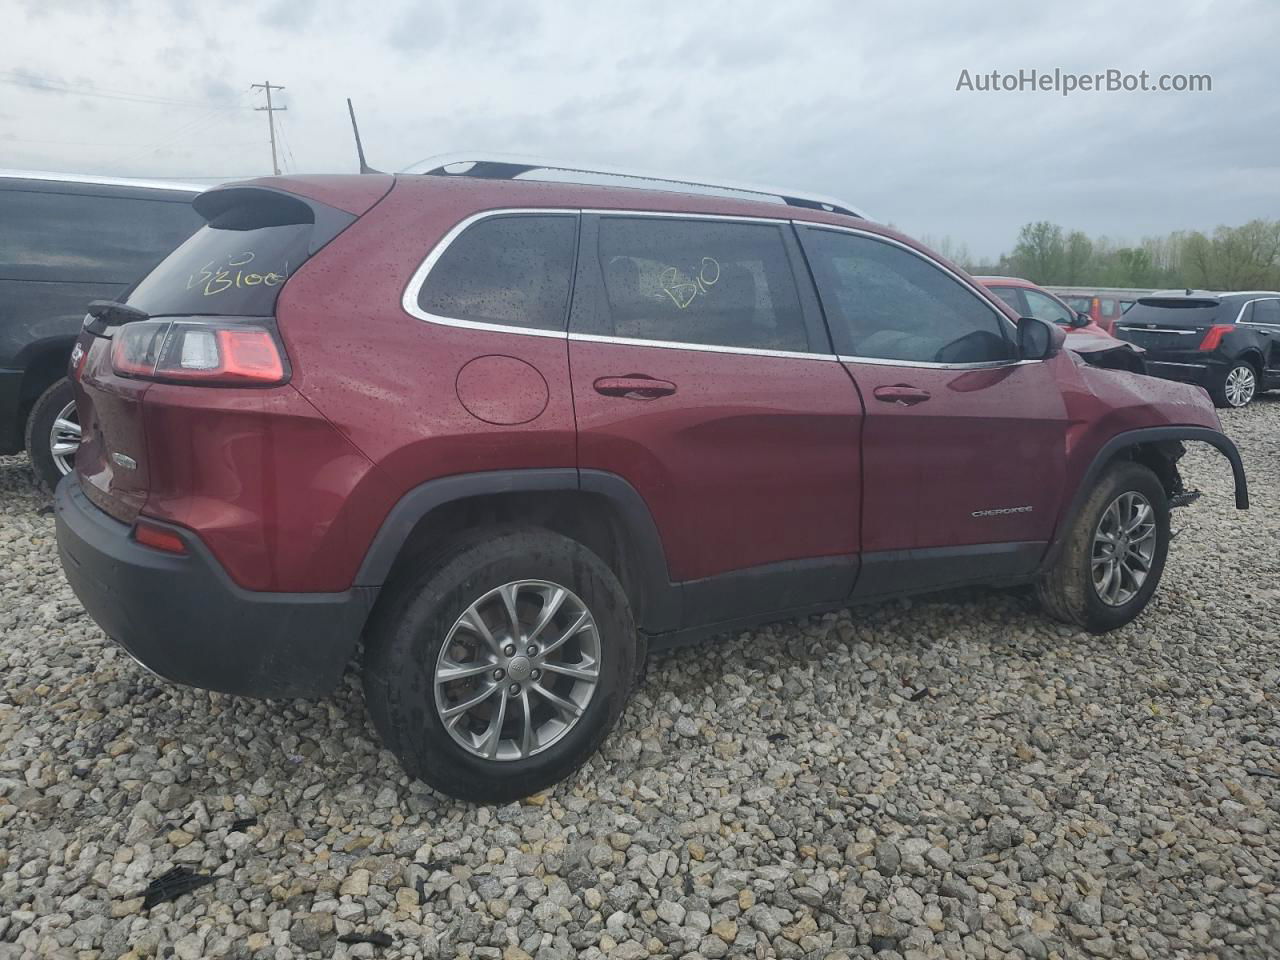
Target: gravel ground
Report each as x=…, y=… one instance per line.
x=950, y=778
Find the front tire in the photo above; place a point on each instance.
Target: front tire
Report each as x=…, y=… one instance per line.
x=1114, y=554
x=1237, y=386
x=53, y=434
x=498, y=670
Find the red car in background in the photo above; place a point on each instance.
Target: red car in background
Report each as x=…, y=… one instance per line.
x=1028, y=300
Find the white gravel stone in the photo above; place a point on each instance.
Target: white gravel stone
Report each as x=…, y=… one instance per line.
x=1050, y=794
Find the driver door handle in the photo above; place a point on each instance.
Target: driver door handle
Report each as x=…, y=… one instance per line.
x=634, y=386
x=901, y=393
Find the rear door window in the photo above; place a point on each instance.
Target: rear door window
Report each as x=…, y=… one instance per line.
x=885, y=302
x=514, y=271
x=87, y=239
x=709, y=282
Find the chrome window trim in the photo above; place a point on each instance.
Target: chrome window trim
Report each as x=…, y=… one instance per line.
x=49, y=177
x=930, y=365
x=1178, y=330
x=409, y=300
x=1253, y=323
x=412, y=290
x=676, y=215
x=703, y=347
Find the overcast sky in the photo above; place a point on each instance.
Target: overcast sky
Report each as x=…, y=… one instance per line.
x=857, y=100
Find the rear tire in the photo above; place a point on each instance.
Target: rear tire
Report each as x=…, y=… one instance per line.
x=1237, y=386
x=1076, y=589
x=482, y=753
x=49, y=433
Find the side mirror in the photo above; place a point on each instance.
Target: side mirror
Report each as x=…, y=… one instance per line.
x=1039, y=339
x=1080, y=320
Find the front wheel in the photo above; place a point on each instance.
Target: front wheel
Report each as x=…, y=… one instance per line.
x=1237, y=387
x=500, y=669
x=1114, y=554
x=53, y=434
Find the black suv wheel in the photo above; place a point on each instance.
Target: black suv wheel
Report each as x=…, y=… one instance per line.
x=53, y=434
x=500, y=669
x=1237, y=386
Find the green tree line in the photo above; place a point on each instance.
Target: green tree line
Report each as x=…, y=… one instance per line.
x=1230, y=258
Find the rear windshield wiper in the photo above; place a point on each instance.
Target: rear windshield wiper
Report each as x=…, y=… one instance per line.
x=111, y=313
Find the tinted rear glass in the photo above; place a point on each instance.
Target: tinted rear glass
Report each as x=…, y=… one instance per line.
x=515, y=271
x=88, y=239
x=235, y=265
x=1176, y=312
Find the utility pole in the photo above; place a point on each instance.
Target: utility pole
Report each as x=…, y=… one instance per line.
x=271, y=118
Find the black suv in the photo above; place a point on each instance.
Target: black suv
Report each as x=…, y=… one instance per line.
x=66, y=240
x=1228, y=343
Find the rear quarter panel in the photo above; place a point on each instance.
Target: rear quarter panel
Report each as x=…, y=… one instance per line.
x=388, y=380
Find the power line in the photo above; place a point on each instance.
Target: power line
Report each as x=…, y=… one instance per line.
x=40, y=85
x=271, y=118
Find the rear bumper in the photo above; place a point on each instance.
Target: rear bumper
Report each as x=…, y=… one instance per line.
x=11, y=425
x=184, y=619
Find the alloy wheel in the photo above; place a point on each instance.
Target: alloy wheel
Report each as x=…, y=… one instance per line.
x=517, y=670
x=1124, y=547
x=64, y=438
x=1241, y=385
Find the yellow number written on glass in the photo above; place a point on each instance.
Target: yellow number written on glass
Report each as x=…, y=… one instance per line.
x=229, y=274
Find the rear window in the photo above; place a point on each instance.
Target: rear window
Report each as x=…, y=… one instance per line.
x=87, y=239
x=236, y=264
x=1175, y=312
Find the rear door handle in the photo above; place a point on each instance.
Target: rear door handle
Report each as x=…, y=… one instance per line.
x=901, y=393
x=634, y=386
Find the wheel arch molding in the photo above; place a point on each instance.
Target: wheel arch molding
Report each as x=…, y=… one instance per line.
x=1145, y=439
x=599, y=509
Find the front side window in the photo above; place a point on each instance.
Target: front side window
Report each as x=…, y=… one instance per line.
x=884, y=302
x=700, y=282
x=1046, y=308
x=512, y=270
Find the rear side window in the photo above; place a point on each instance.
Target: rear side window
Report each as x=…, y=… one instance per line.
x=236, y=264
x=511, y=270
x=1266, y=311
x=886, y=303
x=1010, y=296
x=88, y=239
x=706, y=282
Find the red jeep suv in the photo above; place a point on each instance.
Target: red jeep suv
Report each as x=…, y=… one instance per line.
x=514, y=433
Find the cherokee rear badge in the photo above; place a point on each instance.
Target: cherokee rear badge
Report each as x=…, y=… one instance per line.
x=1001, y=511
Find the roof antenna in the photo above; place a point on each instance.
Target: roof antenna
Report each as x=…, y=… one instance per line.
x=364, y=167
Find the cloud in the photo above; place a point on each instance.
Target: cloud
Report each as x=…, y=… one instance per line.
x=850, y=98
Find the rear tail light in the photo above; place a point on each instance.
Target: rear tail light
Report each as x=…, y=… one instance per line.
x=1214, y=336
x=158, y=537
x=212, y=352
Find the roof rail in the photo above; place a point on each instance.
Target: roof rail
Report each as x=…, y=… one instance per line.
x=6, y=174
x=499, y=166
